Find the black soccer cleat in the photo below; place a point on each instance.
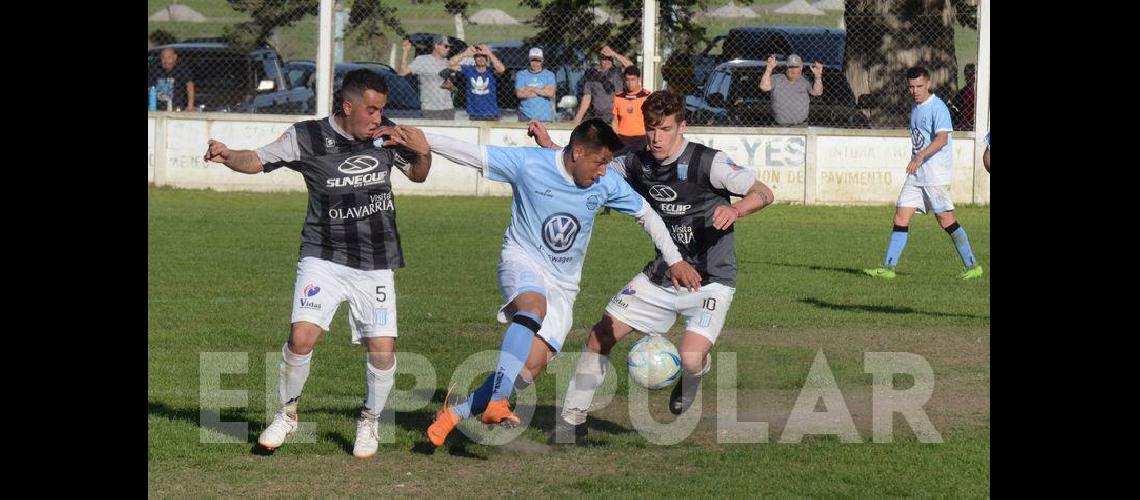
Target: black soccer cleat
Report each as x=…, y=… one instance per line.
x=677, y=403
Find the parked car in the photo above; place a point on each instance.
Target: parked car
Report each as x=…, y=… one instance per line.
x=825, y=45
x=403, y=94
x=227, y=78
x=732, y=97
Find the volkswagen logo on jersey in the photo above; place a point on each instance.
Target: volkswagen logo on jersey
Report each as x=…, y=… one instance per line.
x=662, y=193
x=358, y=164
x=917, y=140
x=559, y=231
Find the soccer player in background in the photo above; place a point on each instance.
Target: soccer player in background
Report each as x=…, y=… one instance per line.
x=927, y=186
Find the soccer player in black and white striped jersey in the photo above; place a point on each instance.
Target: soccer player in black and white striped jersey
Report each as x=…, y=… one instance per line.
x=349, y=241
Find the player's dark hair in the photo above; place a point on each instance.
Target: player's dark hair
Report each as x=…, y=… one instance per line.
x=594, y=134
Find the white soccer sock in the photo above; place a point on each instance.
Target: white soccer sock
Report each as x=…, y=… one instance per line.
x=588, y=375
x=378, y=383
x=292, y=373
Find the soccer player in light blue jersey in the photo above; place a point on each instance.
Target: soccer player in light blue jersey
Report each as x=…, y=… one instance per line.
x=556, y=196
x=927, y=186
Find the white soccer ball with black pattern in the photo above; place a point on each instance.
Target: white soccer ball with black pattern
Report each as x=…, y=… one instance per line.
x=654, y=362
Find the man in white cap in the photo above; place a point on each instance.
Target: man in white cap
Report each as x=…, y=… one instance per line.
x=790, y=91
x=535, y=89
x=435, y=101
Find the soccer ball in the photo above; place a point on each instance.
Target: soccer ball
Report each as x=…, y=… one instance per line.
x=654, y=362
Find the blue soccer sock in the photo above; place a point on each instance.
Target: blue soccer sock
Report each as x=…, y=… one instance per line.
x=513, y=353
x=962, y=243
x=895, y=248
x=476, y=402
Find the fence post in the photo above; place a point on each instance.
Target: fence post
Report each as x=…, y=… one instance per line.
x=649, y=45
x=982, y=101
x=324, y=59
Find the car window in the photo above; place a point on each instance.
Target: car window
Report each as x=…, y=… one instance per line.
x=297, y=76
x=718, y=84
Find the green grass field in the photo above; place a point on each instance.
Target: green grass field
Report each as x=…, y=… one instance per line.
x=221, y=268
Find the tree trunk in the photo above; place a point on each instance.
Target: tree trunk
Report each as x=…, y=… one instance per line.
x=884, y=38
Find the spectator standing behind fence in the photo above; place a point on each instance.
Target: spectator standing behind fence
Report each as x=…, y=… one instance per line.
x=963, y=102
x=534, y=87
x=627, y=110
x=480, y=85
x=790, y=90
x=601, y=83
x=435, y=100
x=171, y=78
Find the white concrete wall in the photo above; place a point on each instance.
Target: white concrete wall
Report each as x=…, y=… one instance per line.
x=812, y=166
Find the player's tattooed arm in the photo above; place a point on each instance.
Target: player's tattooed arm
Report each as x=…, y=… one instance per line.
x=757, y=197
x=244, y=161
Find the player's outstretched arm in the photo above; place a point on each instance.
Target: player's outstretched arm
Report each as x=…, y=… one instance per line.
x=461, y=152
x=244, y=161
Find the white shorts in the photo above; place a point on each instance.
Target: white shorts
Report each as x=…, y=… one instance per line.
x=926, y=198
x=653, y=309
x=323, y=285
x=518, y=274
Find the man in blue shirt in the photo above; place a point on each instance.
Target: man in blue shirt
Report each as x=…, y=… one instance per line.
x=556, y=194
x=481, y=89
x=535, y=89
x=927, y=186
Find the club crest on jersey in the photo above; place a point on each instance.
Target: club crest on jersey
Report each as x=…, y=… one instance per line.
x=592, y=202
x=329, y=142
x=559, y=231
x=359, y=164
x=662, y=193
x=312, y=289
x=683, y=171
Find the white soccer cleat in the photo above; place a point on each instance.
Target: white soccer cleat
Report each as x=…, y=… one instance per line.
x=283, y=426
x=367, y=437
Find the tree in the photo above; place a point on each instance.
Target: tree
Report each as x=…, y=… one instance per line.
x=885, y=37
x=366, y=22
x=266, y=16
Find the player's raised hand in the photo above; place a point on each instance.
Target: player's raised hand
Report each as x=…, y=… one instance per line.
x=771, y=61
x=217, y=152
x=541, y=136
x=724, y=216
x=403, y=136
x=685, y=276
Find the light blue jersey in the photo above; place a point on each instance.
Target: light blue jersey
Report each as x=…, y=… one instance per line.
x=535, y=107
x=551, y=217
x=926, y=120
